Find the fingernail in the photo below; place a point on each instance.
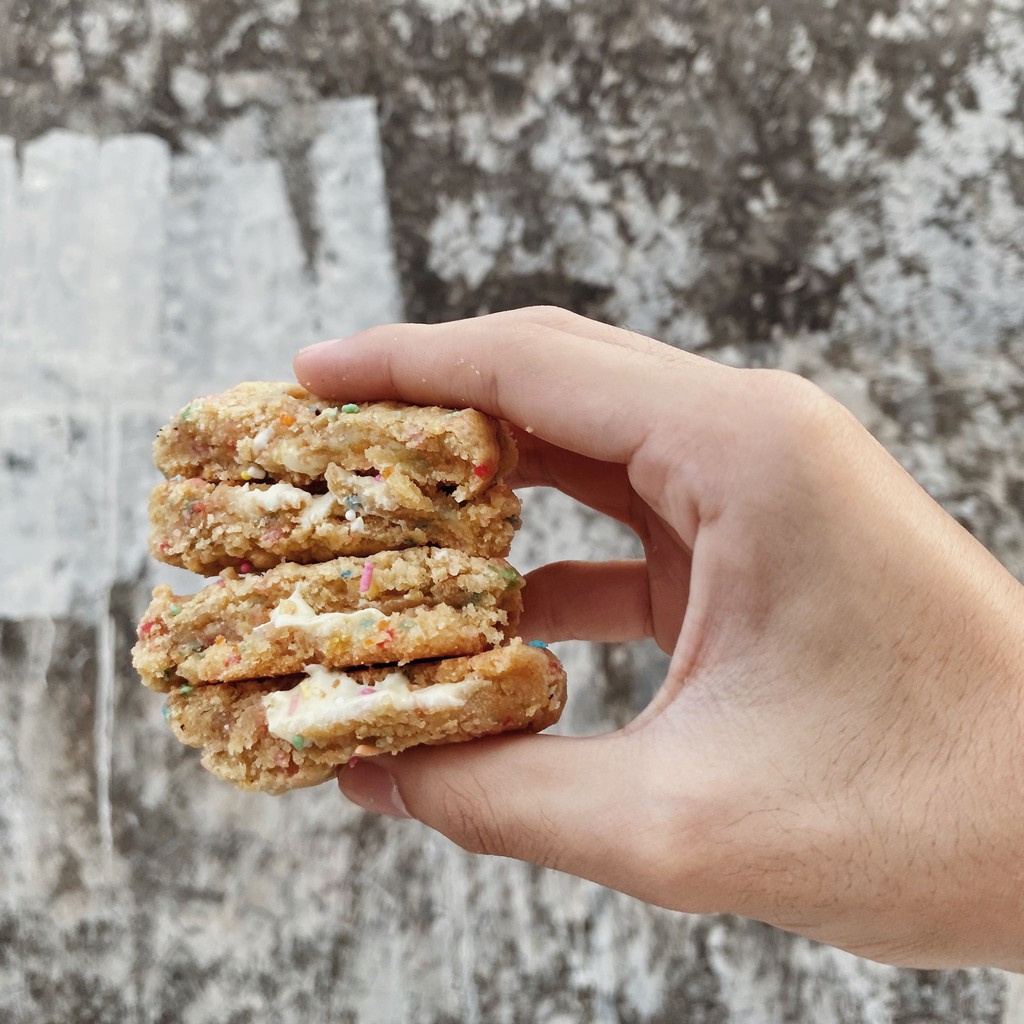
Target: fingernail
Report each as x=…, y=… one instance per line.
x=317, y=346
x=372, y=788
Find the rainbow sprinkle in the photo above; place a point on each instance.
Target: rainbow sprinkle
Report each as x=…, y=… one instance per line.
x=347, y=574
x=536, y=643
x=350, y=407
x=298, y=742
x=245, y=567
x=364, y=580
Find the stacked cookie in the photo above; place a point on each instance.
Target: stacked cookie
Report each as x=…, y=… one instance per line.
x=362, y=602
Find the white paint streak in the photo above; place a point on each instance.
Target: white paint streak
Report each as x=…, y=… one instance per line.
x=103, y=733
x=1014, y=1010
x=357, y=285
x=106, y=638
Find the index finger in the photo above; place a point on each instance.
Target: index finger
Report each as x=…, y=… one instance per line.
x=596, y=399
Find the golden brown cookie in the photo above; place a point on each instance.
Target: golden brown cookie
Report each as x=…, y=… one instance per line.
x=207, y=527
x=281, y=734
x=281, y=432
x=392, y=607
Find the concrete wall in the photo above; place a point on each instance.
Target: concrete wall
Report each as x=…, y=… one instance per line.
x=188, y=192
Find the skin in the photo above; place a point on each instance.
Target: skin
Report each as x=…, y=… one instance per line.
x=836, y=748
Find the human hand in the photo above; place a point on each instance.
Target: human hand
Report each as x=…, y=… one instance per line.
x=837, y=747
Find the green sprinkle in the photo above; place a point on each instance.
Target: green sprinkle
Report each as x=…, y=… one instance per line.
x=166, y=711
x=184, y=688
x=298, y=742
x=175, y=609
x=509, y=575
x=350, y=407
x=186, y=412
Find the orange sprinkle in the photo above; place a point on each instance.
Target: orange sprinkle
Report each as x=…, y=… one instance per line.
x=365, y=750
x=219, y=639
x=287, y=419
x=387, y=471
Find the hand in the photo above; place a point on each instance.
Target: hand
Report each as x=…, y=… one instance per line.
x=838, y=747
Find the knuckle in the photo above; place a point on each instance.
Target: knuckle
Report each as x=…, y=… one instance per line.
x=475, y=817
x=793, y=397
x=472, y=821
x=794, y=417
x=549, y=315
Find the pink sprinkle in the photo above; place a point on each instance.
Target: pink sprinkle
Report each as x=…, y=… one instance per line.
x=378, y=478
x=245, y=567
x=352, y=762
x=364, y=580
x=481, y=470
x=294, y=702
x=366, y=690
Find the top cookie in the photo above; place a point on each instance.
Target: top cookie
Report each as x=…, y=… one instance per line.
x=280, y=432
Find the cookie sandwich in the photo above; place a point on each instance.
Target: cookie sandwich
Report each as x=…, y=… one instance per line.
x=268, y=473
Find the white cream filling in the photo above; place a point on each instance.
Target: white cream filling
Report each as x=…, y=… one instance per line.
x=376, y=496
x=320, y=507
x=297, y=458
x=262, y=439
x=326, y=699
x=315, y=507
x=271, y=499
x=296, y=612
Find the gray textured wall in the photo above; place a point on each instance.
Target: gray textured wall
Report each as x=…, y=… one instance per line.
x=189, y=191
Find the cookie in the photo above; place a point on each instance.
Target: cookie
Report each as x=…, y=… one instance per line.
x=282, y=433
x=392, y=607
x=280, y=734
x=206, y=527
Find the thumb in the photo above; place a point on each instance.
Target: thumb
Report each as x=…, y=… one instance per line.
x=578, y=805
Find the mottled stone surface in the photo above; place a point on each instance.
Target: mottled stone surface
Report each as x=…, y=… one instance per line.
x=835, y=188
